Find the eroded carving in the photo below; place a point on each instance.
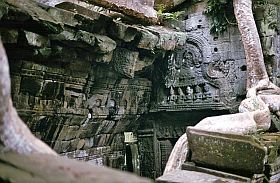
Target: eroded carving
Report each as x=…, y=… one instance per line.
x=194, y=82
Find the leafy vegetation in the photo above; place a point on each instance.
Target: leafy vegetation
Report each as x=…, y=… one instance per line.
x=221, y=15
x=261, y=2
x=167, y=15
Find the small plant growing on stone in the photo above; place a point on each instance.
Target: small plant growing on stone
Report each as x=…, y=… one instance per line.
x=221, y=15
x=167, y=15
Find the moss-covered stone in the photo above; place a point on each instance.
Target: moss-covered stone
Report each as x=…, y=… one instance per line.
x=8, y=35
x=234, y=153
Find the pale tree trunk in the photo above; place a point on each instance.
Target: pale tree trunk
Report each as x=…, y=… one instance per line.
x=257, y=78
x=256, y=70
x=14, y=134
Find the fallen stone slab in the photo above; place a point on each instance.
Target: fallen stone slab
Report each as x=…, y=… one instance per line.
x=139, y=9
x=241, y=154
x=82, y=39
x=81, y=17
x=148, y=38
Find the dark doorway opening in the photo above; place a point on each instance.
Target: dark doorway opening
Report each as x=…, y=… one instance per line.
x=129, y=164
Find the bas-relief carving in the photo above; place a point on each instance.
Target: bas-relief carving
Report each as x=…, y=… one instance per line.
x=269, y=26
x=124, y=99
x=104, y=106
x=196, y=81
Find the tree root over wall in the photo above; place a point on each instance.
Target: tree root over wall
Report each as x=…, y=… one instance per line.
x=263, y=97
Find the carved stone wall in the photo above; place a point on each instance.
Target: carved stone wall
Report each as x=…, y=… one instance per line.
x=82, y=115
x=80, y=79
x=207, y=72
x=67, y=81
x=204, y=75
x=158, y=133
x=268, y=22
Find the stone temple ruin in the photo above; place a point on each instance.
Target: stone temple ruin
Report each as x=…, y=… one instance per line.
x=99, y=87
x=196, y=79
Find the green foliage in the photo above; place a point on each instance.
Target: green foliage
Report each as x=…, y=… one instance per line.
x=167, y=15
x=160, y=8
x=261, y=2
x=221, y=15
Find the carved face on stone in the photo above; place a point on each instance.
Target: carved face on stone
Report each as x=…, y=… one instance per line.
x=197, y=89
x=189, y=58
x=189, y=90
x=97, y=103
x=111, y=103
x=206, y=87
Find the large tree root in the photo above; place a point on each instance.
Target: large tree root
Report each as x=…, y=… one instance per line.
x=263, y=97
x=255, y=115
x=178, y=154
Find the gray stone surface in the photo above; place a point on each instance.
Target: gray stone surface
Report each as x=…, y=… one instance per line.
x=226, y=151
x=57, y=83
x=71, y=62
x=39, y=20
x=184, y=176
x=124, y=61
x=206, y=71
x=140, y=9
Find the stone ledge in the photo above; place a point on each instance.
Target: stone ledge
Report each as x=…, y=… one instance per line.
x=221, y=151
x=184, y=176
